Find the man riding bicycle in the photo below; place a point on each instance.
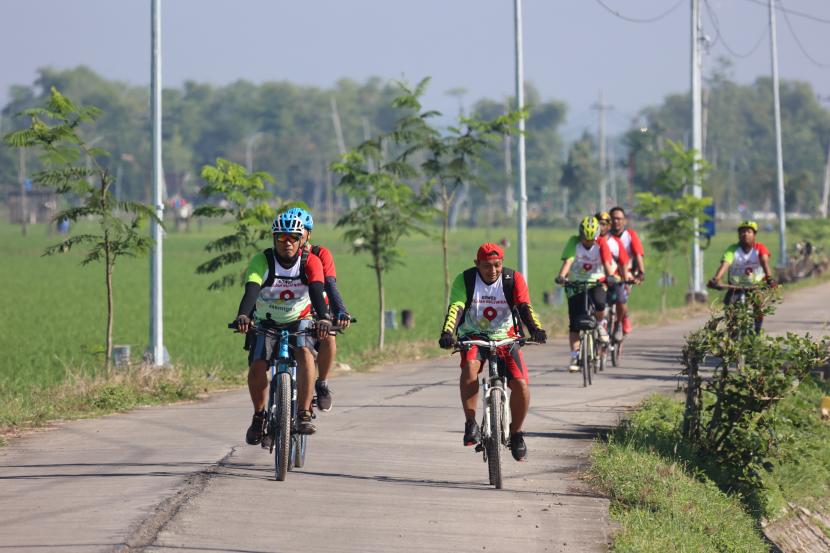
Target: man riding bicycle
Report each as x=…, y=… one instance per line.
x=748, y=266
x=617, y=294
x=586, y=259
x=483, y=300
x=636, y=266
x=327, y=347
x=279, y=292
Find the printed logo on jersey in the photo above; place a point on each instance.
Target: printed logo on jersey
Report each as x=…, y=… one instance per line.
x=587, y=266
x=286, y=295
x=490, y=313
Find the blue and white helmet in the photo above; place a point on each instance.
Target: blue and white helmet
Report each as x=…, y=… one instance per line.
x=308, y=220
x=291, y=221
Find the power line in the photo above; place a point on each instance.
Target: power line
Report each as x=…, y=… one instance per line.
x=796, y=13
x=798, y=41
x=636, y=19
x=713, y=17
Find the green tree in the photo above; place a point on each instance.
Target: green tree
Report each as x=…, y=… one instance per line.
x=385, y=209
x=244, y=198
x=673, y=215
x=452, y=160
x=56, y=130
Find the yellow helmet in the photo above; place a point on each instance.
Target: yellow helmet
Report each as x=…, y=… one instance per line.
x=589, y=228
x=603, y=216
x=748, y=224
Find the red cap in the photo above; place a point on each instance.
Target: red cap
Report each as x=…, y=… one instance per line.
x=489, y=251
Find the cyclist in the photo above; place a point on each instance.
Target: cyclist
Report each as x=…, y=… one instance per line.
x=617, y=294
x=748, y=263
x=278, y=292
x=482, y=305
x=328, y=345
x=586, y=258
x=637, y=268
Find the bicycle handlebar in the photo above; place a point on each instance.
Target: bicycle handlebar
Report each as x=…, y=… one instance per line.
x=273, y=330
x=494, y=344
x=587, y=284
x=720, y=286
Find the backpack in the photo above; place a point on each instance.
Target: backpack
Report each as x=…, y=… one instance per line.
x=508, y=283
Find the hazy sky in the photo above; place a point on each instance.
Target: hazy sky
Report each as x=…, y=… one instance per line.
x=573, y=48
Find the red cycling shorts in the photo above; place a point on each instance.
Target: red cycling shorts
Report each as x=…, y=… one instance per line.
x=510, y=357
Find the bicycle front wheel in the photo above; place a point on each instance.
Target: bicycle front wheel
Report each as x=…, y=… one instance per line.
x=282, y=439
x=496, y=436
x=585, y=359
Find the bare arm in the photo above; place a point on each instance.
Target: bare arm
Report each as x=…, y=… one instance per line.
x=566, y=267
x=724, y=265
x=765, y=266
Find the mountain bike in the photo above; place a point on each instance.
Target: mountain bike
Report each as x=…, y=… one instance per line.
x=495, y=421
x=590, y=347
x=290, y=447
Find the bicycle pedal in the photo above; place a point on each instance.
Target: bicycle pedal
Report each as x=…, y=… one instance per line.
x=479, y=448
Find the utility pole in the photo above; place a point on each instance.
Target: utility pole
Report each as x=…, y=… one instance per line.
x=825, y=195
x=249, y=151
x=601, y=106
x=156, y=311
x=520, y=105
x=509, y=199
x=779, y=156
x=697, y=292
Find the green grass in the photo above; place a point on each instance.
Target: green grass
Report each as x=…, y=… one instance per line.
x=54, y=313
x=667, y=500
x=661, y=508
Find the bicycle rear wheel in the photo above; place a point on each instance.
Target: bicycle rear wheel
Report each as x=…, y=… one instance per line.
x=282, y=439
x=616, y=353
x=602, y=354
x=300, y=448
x=496, y=436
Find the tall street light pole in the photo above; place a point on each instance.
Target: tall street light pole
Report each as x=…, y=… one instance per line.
x=779, y=156
x=520, y=104
x=697, y=291
x=156, y=323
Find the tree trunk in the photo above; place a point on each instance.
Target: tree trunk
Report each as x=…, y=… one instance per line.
x=108, y=264
x=381, y=306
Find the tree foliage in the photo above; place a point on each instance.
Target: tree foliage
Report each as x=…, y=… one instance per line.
x=673, y=215
x=56, y=130
x=731, y=417
x=740, y=142
x=385, y=207
x=243, y=198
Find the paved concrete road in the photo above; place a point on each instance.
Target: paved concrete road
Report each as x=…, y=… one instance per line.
x=386, y=470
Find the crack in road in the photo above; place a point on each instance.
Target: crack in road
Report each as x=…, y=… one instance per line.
x=147, y=531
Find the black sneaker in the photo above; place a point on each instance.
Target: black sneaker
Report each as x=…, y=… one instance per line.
x=472, y=435
x=304, y=424
x=324, y=400
x=518, y=447
x=254, y=434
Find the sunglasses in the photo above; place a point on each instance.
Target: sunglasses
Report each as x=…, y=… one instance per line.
x=287, y=237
